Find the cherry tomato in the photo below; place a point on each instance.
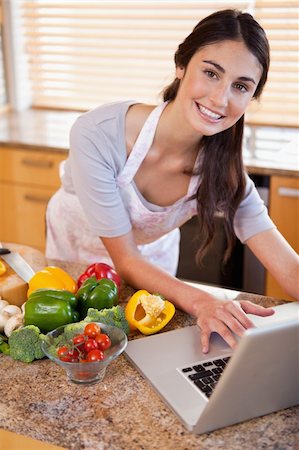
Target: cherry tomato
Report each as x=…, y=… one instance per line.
x=95, y=355
x=103, y=341
x=90, y=344
x=66, y=358
x=91, y=330
x=62, y=351
x=74, y=355
x=71, y=356
x=79, y=342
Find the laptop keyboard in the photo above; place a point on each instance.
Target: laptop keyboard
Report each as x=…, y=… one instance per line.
x=206, y=375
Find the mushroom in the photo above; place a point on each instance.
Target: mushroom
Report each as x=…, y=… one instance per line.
x=3, y=303
x=8, y=312
x=13, y=324
x=3, y=315
x=3, y=319
x=11, y=310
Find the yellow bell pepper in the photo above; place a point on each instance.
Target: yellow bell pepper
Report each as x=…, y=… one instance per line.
x=52, y=278
x=2, y=268
x=148, y=313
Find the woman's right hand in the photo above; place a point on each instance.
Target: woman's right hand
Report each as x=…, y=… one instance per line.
x=226, y=317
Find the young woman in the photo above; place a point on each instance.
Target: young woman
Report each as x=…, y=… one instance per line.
x=137, y=172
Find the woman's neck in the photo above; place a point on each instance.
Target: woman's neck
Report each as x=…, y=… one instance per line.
x=174, y=135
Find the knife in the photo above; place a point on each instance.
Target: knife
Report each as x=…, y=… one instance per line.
x=17, y=263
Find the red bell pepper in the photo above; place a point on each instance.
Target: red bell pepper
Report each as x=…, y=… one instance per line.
x=100, y=270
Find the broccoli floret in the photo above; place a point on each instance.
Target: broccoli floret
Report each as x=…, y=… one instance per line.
x=111, y=316
x=71, y=330
x=25, y=344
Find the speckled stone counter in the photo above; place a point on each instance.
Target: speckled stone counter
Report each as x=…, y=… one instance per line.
x=122, y=412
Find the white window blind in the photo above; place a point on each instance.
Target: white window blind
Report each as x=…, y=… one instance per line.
x=85, y=53
x=280, y=100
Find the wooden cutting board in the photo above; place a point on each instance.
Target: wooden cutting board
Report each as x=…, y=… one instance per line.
x=12, y=287
x=13, y=441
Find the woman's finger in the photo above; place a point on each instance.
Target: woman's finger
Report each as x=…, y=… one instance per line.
x=252, y=308
x=233, y=322
x=220, y=328
x=205, y=340
x=236, y=310
x=225, y=333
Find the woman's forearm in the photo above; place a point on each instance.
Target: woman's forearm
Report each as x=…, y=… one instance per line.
x=141, y=274
x=279, y=258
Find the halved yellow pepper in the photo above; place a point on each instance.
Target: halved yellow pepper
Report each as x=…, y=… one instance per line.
x=52, y=278
x=2, y=268
x=148, y=313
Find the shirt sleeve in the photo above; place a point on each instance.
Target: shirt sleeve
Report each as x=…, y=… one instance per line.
x=252, y=215
x=94, y=172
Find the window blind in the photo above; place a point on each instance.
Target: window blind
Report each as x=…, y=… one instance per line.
x=279, y=103
x=85, y=53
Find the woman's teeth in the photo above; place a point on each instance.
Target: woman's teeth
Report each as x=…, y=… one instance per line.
x=208, y=113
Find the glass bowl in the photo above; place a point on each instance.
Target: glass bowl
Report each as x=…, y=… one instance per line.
x=86, y=372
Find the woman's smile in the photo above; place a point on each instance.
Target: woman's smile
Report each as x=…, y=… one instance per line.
x=207, y=114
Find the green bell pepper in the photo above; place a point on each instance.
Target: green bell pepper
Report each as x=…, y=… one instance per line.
x=4, y=348
x=97, y=294
x=50, y=308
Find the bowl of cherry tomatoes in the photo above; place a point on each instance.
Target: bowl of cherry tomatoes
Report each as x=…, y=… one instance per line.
x=85, y=350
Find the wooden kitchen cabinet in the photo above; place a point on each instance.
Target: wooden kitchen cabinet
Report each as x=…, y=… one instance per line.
x=28, y=178
x=284, y=211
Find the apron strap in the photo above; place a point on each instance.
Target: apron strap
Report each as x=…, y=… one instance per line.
x=141, y=146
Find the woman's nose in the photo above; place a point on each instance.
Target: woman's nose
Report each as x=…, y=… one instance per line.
x=220, y=95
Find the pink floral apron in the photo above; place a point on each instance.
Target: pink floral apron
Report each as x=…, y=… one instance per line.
x=155, y=230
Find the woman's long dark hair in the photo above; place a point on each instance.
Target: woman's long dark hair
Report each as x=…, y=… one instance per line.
x=221, y=173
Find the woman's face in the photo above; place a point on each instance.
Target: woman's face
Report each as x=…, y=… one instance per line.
x=217, y=86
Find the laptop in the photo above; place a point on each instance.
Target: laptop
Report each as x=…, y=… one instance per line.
x=224, y=387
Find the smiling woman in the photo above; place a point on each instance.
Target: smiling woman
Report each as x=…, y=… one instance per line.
x=136, y=172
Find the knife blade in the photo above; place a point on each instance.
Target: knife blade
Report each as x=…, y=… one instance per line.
x=17, y=263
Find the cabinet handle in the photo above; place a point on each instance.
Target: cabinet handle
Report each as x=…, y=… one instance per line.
x=38, y=163
x=36, y=199
x=288, y=192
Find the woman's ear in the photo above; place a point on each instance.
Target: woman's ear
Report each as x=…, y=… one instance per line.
x=180, y=72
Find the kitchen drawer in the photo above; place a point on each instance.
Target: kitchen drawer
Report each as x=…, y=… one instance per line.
x=40, y=168
x=23, y=219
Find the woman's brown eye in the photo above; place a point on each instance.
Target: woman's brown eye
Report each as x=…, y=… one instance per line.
x=210, y=73
x=241, y=87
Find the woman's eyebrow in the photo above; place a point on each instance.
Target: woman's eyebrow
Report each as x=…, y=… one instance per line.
x=221, y=69
x=217, y=66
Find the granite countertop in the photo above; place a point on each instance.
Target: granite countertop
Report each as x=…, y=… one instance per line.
x=122, y=412
x=267, y=150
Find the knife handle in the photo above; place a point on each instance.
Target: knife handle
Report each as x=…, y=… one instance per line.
x=4, y=251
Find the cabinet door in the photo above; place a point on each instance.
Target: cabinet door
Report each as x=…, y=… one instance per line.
x=23, y=214
x=284, y=211
x=38, y=168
